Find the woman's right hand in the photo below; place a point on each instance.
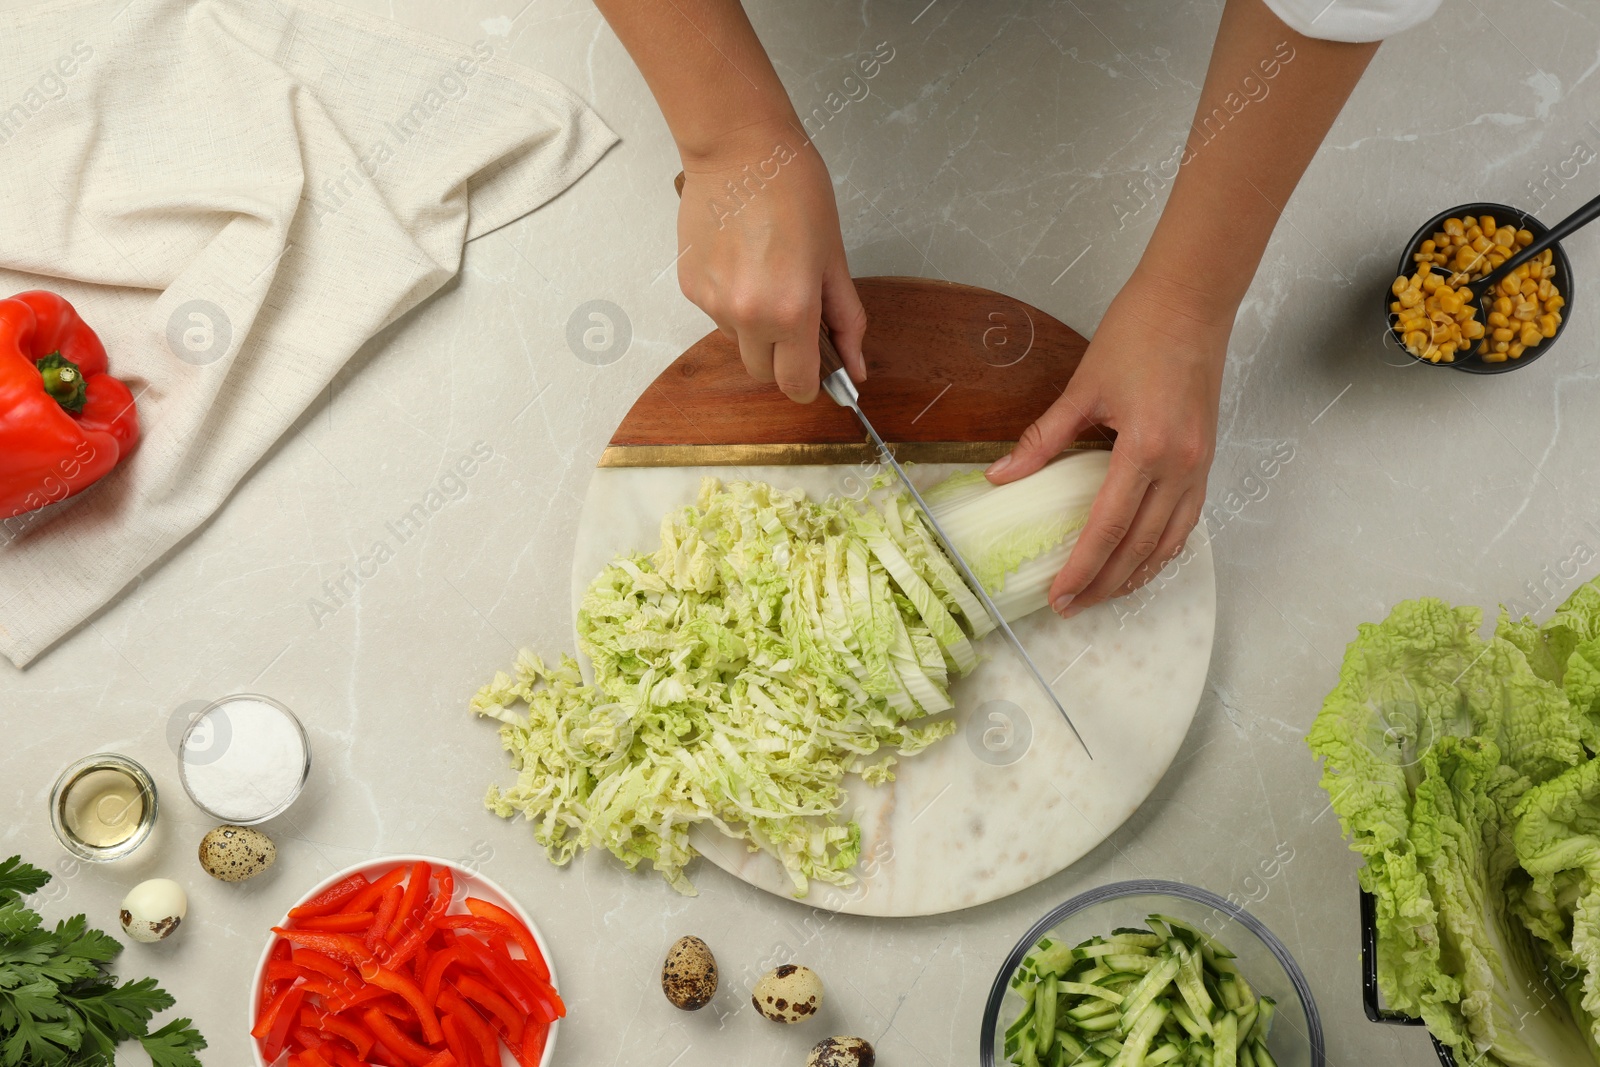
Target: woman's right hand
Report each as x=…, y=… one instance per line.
x=761, y=253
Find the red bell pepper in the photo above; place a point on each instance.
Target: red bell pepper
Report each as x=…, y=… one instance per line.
x=395, y=1038
x=459, y=1042
x=360, y=1039
x=444, y=1059
x=346, y=998
x=395, y=982
x=543, y=993
x=354, y=923
x=415, y=894
x=369, y=896
x=281, y=951
x=532, y=1048
x=268, y=1016
x=346, y=948
x=312, y=1056
x=513, y=926
x=313, y=961
x=277, y=1021
x=510, y=1021
x=436, y=967
x=504, y=981
x=343, y=1057
x=64, y=422
x=303, y=1037
x=471, y=1018
x=387, y=908
x=395, y=1008
x=329, y=900
x=283, y=971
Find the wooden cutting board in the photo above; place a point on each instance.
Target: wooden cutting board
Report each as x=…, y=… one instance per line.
x=955, y=374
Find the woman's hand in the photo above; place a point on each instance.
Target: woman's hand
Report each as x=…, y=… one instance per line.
x=1153, y=373
x=761, y=253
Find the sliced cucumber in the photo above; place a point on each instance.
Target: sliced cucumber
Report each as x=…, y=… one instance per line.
x=1169, y=996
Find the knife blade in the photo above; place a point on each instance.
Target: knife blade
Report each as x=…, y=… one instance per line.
x=837, y=384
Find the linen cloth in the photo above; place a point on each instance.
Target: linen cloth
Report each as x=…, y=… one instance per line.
x=236, y=194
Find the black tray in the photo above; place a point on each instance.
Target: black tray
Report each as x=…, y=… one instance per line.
x=1369, y=980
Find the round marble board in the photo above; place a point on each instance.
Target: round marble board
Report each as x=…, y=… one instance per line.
x=1011, y=798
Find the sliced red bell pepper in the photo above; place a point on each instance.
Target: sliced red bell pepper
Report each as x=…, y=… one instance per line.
x=369, y=896
x=397, y=1009
x=543, y=994
x=513, y=925
x=329, y=900
x=415, y=895
x=310, y=959
x=278, y=1020
x=344, y=999
x=312, y=1056
x=531, y=1050
x=459, y=1042
x=395, y=1038
x=284, y=971
x=267, y=1016
x=387, y=907
x=347, y=948
x=436, y=967
x=270, y=989
x=482, y=959
x=471, y=1018
x=360, y=1039
x=355, y=922
x=395, y=982
x=383, y=1054
x=408, y=946
x=343, y=1057
x=447, y=891
x=444, y=1059
x=505, y=1013
x=303, y=1037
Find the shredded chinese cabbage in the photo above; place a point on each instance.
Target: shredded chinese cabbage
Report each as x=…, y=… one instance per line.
x=770, y=646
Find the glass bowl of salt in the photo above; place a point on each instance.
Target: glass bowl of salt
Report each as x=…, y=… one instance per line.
x=244, y=759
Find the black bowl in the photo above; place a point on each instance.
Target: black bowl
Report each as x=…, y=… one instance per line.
x=1473, y=363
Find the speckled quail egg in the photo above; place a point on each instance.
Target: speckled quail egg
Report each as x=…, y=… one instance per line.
x=788, y=994
x=234, y=853
x=153, y=909
x=689, y=977
x=842, y=1052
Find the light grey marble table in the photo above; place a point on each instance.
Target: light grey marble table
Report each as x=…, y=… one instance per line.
x=1004, y=145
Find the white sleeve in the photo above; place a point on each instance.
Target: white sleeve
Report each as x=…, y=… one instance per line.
x=1352, y=20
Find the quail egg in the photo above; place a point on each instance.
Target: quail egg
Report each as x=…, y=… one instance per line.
x=153, y=909
x=235, y=853
x=788, y=994
x=842, y=1052
x=689, y=977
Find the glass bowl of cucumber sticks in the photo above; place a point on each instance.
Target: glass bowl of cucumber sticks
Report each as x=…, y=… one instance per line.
x=1146, y=973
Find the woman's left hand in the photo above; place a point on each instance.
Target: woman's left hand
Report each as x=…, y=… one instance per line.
x=1153, y=373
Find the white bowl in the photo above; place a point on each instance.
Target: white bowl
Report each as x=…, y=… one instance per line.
x=477, y=885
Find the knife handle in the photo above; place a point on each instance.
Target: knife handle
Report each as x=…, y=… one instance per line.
x=830, y=355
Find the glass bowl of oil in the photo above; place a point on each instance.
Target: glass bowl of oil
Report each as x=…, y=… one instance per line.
x=103, y=807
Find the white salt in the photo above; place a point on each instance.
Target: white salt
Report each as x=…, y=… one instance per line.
x=244, y=760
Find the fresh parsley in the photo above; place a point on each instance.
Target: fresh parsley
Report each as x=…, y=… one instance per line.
x=59, y=1005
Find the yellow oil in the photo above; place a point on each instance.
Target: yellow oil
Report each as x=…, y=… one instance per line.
x=103, y=807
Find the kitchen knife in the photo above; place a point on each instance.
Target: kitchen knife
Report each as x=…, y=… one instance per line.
x=837, y=384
